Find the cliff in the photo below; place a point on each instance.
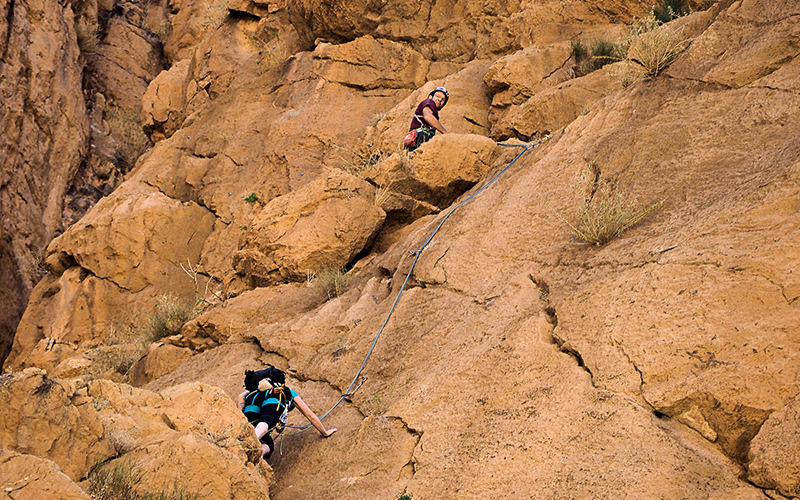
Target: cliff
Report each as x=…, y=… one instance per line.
x=276, y=220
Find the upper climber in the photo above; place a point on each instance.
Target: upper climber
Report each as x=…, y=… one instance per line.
x=266, y=403
x=426, y=119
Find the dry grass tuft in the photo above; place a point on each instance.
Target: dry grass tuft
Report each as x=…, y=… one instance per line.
x=125, y=127
x=607, y=215
x=332, y=282
x=654, y=46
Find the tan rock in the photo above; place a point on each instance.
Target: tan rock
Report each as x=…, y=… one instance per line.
x=43, y=139
x=42, y=418
x=762, y=37
x=222, y=366
x=160, y=360
x=164, y=100
x=440, y=170
x=240, y=314
x=27, y=477
x=556, y=107
x=368, y=63
x=130, y=239
x=320, y=226
x=204, y=468
x=126, y=60
x=515, y=78
x=774, y=452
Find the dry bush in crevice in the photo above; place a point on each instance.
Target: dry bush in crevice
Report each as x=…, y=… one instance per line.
x=356, y=163
x=607, y=215
x=332, y=282
x=88, y=37
x=169, y=315
x=125, y=127
x=654, y=46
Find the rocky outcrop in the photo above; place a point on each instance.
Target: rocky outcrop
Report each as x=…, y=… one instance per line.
x=319, y=227
x=42, y=417
x=44, y=138
x=520, y=359
x=30, y=477
x=193, y=432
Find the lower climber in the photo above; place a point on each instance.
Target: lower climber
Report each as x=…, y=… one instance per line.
x=266, y=403
x=426, y=119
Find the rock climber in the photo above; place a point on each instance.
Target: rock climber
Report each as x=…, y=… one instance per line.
x=266, y=403
x=426, y=119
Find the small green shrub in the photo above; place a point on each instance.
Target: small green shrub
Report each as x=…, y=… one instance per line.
x=332, y=282
x=252, y=198
x=607, y=215
x=600, y=53
x=666, y=10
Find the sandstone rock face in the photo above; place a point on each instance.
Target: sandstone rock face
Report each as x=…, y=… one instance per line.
x=29, y=477
x=773, y=452
x=42, y=417
x=319, y=227
x=45, y=131
x=520, y=360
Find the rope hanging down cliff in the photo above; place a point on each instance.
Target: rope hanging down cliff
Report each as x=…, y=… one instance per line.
x=350, y=391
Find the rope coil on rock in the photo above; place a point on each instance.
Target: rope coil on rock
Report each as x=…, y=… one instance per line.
x=347, y=393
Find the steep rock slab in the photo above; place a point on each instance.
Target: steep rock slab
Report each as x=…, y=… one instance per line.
x=554, y=108
x=774, y=452
x=71, y=309
x=222, y=366
x=321, y=226
x=367, y=63
x=749, y=40
x=245, y=312
x=125, y=62
x=27, y=477
x=42, y=417
x=44, y=137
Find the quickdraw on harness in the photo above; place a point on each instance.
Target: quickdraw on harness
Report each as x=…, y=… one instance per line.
x=411, y=138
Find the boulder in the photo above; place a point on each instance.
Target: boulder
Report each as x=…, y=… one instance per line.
x=130, y=239
x=160, y=360
x=554, y=107
x=28, y=477
x=321, y=226
x=45, y=418
x=440, y=170
x=164, y=101
x=774, y=452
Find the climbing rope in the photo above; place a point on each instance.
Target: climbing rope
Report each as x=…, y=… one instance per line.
x=526, y=147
